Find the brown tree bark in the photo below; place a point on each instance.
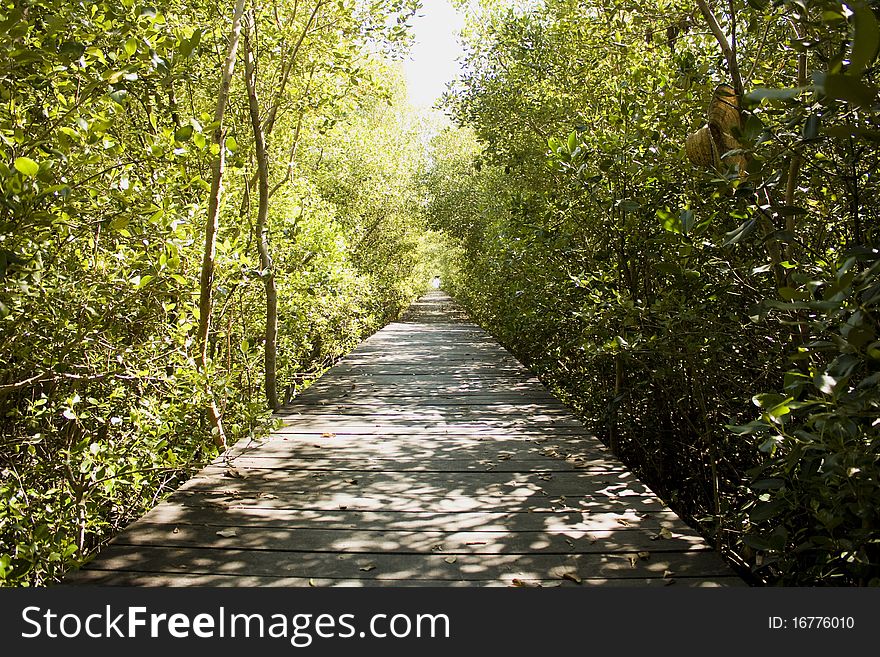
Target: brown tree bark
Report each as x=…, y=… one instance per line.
x=727, y=49
x=212, y=223
x=262, y=230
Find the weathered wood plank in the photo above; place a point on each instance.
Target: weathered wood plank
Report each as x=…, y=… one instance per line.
x=567, y=483
x=427, y=456
x=521, y=430
x=508, y=404
x=527, y=500
x=432, y=410
x=624, y=520
x=394, y=566
x=458, y=447
x=334, y=540
x=128, y=578
x=354, y=466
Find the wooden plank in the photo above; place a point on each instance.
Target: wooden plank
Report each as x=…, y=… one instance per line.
x=419, y=414
x=506, y=404
x=343, y=391
x=390, y=521
x=427, y=361
x=413, y=425
x=497, y=430
x=474, y=444
x=390, y=401
x=353, y=466
x=527, y=501
x=570, y=483
x=486, y=380
x=336, y=540
x=428, y=456
x=129, y=578
x=474, y=449
x=377, y=371
x=436, y=567
x=324, y=387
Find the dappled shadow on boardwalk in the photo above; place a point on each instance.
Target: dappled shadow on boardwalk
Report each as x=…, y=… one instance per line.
x=427, y=456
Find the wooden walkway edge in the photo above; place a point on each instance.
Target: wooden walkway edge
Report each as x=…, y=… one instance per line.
x=429, y=456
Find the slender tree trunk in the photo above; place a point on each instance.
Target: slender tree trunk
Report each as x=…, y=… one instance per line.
x=797, y=160
x=727, y=48
x=262, y=230
x=212, y=224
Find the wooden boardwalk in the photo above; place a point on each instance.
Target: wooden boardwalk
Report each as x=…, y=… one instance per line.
x=429, y=456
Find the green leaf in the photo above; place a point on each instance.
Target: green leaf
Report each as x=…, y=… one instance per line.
x=26, y=166
x=849, y=88
x=780, y=411
x=13, y=16
x=866, y=39
x=791, y=294
x=187, y=46
x=131, y=46
x=687, y=221
x=670, y=222
x=811, y=127
x=768, y=484
x=144, y=280
x=826, y=383
x=774, y=542
x=183, y=133
x=118, y=223
x=752, y=128
x=756, y=427
x=118, y=96
x=847, y=131
x=231, y=144
x=71, y=51
x=740, y=232
x=775, y=406
x=767, y=510
x=768, y=400
x=773, y=95
x=668, y=268
x=757, y=542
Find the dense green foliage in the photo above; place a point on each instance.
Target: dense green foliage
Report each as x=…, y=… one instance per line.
x=106, y=113
x=717, y=325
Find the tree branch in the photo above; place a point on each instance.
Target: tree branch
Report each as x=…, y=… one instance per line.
x=726, y=48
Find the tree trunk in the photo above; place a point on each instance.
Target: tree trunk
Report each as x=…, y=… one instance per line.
x=728, y=48
x=262, y=230
x=212, y=223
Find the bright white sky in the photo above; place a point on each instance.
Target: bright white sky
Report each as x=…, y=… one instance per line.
x=432, y=61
